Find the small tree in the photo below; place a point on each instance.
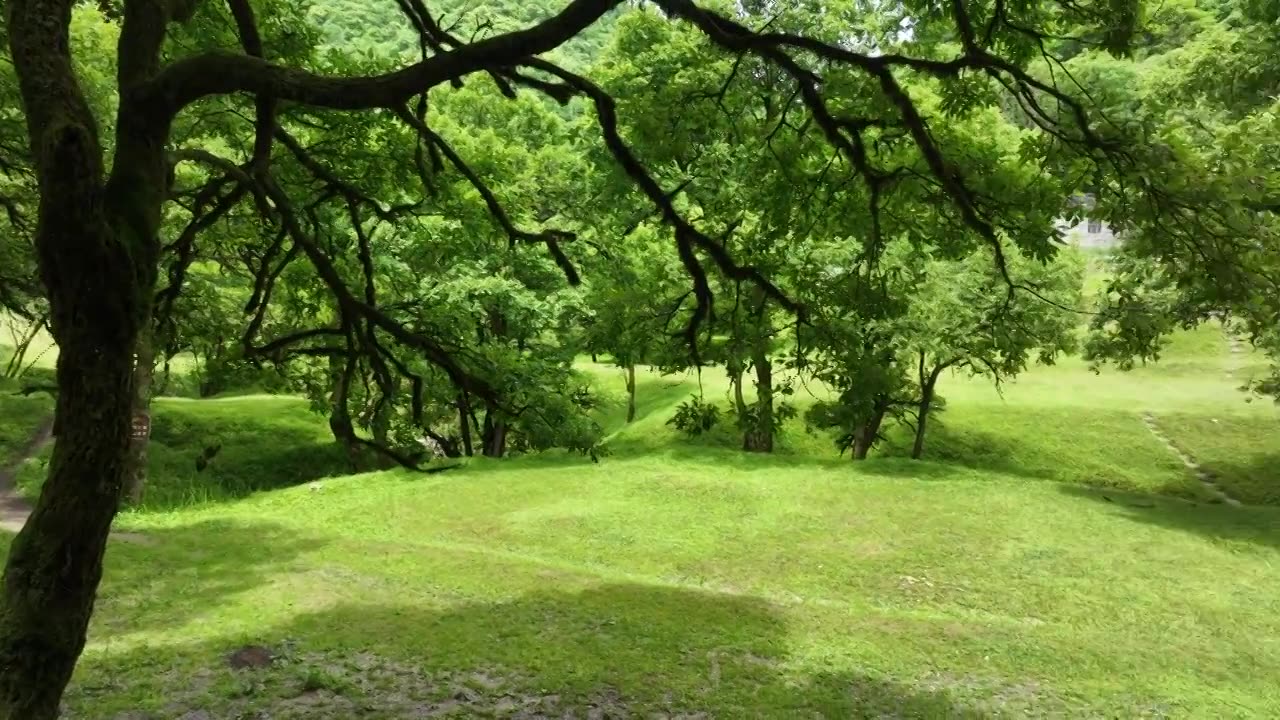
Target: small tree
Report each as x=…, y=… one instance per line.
x=633, y=303
x=963, y=317
x=885, y=347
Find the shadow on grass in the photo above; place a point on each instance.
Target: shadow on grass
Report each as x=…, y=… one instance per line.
x=1248, y=525
x=618, y=650
x=1253, y=480
x=245, y=465
x=1034, y=454
x=794, y=448
x=250, y=457
x=164, y=577
x=966, y=447
x=732, y=458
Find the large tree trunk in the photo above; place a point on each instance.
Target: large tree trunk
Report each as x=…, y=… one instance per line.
x=97, y=247
x=631, y=393
x=55, y=563
x=340, y=423
x=865, y=436
x=758, y=435
x=495, y=432
x=143, y=376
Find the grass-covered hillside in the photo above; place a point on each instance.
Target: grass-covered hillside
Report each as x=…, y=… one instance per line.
x=1050, y=558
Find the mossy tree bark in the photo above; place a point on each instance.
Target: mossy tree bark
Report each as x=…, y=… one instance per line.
x=96, y=245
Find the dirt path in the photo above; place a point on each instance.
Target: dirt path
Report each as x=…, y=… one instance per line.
x=15, y=509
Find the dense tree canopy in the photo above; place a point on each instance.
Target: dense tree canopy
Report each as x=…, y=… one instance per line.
x=420, y=213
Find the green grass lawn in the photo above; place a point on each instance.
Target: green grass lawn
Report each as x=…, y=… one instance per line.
x=1241, y=452
x=698, y=585
x=1050, y=558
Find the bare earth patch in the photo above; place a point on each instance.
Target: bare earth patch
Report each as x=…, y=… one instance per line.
x=1026, y=698
x=317, y=686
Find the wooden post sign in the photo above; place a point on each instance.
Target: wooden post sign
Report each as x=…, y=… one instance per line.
x=141, y=426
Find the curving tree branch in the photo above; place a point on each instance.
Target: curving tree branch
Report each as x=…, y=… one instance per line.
x=220, y=73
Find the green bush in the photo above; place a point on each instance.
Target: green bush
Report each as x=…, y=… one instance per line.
x=695, y=416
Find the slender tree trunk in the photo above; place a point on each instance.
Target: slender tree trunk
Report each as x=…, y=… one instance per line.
x=210, y=383
x=14, y=367
x=464, y=423
x=382, y=417
x=495, y=428
x=631, y=393
x=735, y=379
x=922, y=419
x=143, y=375
x=498, y=447
x=758, y=436
x=159, y=389
x=922, y=413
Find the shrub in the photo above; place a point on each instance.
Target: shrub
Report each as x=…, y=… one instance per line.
x=695, y=416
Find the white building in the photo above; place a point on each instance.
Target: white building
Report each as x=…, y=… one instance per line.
x=1088, y=232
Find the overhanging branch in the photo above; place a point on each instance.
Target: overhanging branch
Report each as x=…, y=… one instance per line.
x=221, y=73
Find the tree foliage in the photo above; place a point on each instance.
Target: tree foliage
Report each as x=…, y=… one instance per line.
x=1199, y=215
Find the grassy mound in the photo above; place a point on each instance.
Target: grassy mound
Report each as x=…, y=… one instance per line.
x=263, y=443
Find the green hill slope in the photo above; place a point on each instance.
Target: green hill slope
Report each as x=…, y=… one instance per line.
x=1051, y=559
